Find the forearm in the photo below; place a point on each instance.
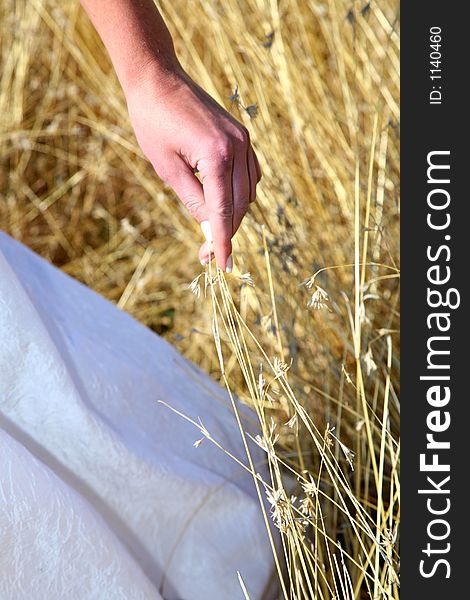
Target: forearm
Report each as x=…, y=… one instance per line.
x=136, y=38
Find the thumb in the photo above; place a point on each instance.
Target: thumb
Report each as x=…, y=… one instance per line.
x=204, y=253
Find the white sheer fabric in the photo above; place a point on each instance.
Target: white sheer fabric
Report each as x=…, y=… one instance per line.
x=102, y=494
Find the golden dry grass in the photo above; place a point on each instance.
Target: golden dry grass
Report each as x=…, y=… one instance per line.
x=75, y=187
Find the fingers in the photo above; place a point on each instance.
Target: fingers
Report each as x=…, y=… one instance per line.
x=247, y=174
x=188, y=188
x=229, y=182
x=253, y=174
x=218, y=194
x=204, y=254
x=242, y=186
x=259, y=174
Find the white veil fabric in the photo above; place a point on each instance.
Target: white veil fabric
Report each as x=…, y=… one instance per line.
x=102, y=492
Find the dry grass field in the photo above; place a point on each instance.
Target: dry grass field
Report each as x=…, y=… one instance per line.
x=305, y=328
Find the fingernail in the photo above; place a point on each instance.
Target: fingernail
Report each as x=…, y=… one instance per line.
x=229, y=266
x=204, y=261
x=207, y=231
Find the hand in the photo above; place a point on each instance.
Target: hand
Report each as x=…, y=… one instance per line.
x=181, y=130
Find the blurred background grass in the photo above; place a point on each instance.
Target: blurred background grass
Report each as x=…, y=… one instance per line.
x=317, y=84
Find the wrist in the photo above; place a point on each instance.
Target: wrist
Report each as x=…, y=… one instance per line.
x=156, y=83
x=157, y=68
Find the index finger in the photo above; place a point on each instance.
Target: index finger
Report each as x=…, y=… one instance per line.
x=218, y=195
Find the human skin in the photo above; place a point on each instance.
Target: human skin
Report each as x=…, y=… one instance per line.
x=179, y=127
